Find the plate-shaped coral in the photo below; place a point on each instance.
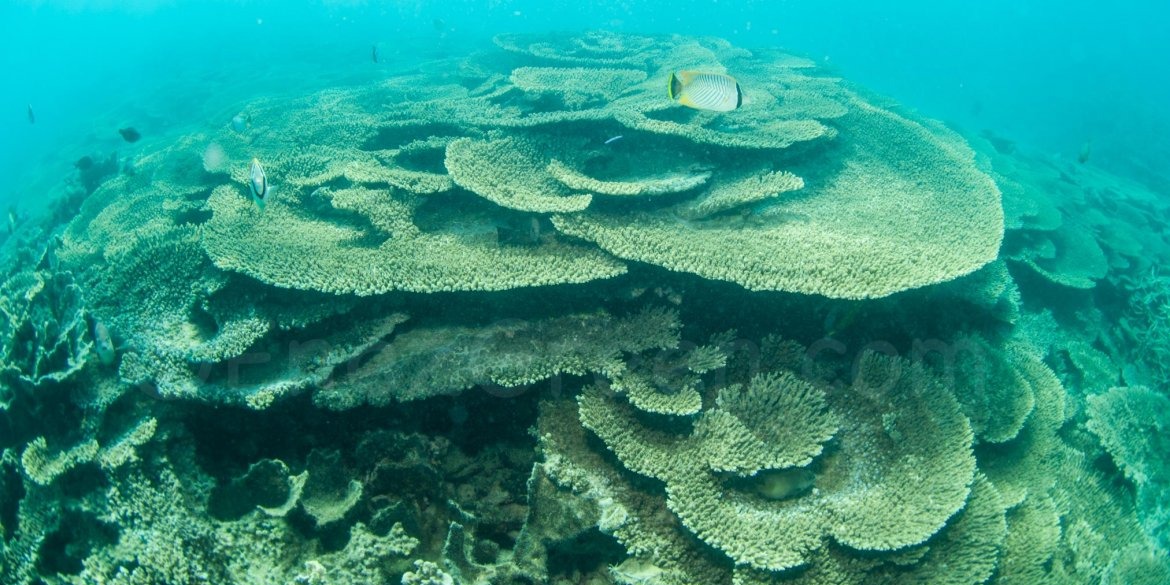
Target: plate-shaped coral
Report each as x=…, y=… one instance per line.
x=891, y=205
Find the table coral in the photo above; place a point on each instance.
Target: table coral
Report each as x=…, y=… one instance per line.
x=897, y=430
x=287, y=248
x=896, y=214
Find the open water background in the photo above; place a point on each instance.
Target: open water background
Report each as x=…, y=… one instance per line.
x=1052, y=75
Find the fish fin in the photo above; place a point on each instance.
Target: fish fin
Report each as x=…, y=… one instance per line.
x=673, y=86
x=687, y=101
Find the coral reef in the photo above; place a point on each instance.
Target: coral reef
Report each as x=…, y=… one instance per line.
x=515, y=317
x=830, y=240
x=1132, y=424
x=46, y=329
x=902, y=433
x=423, y=363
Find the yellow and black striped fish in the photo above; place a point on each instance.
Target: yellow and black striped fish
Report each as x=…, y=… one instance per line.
x=705, y=91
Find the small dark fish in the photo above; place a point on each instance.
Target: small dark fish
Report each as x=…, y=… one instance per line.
x=129, y=134
x=32, y=117
x=1085, y=153
x=374, y=53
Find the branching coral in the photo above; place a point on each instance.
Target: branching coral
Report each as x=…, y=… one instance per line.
x=1147, y=324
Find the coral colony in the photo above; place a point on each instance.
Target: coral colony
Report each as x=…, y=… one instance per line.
x=471, y=337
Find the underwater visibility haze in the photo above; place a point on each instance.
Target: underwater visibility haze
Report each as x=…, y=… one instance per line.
x=459, y=293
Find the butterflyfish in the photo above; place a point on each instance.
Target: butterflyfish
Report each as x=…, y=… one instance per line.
x=705, y=91
x=258, y=182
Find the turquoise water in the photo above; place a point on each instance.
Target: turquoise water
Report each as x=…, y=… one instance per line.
x=1051, y=74
x=460, y=293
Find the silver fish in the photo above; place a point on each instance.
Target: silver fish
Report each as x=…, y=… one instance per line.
x=32, y=117
x=614, y=139
x=258, y=182
x=103, y=344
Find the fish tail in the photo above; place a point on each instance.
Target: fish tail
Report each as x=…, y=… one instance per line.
x=673, y=86
x=259, y=203
x=738, y=95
